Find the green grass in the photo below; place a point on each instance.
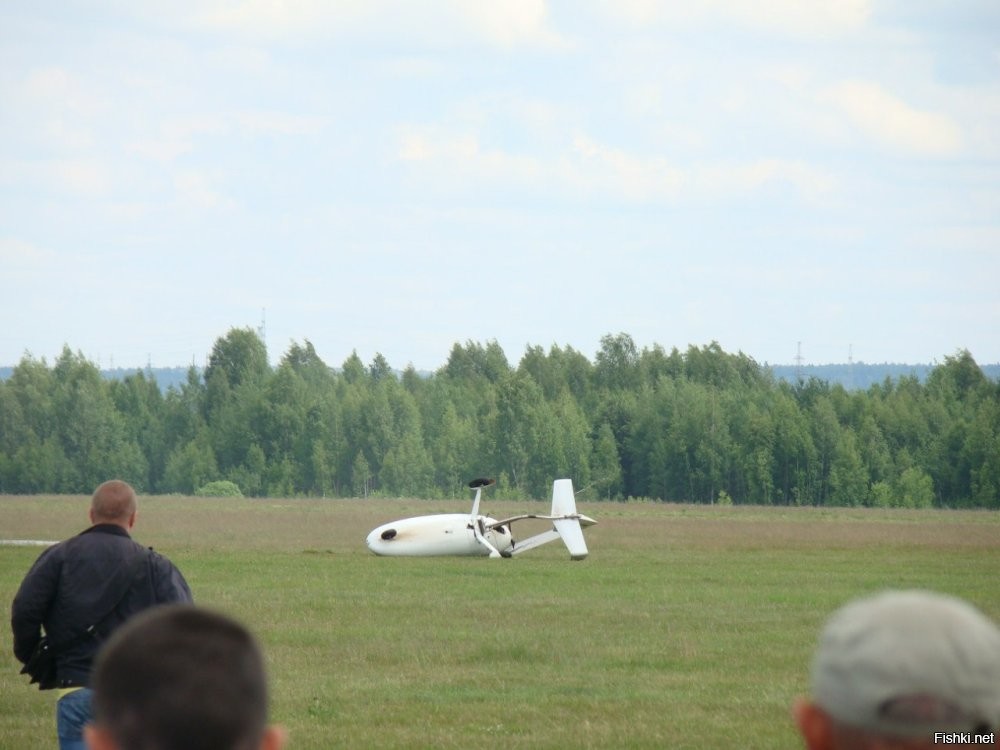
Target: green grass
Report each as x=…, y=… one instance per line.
x=688, y=626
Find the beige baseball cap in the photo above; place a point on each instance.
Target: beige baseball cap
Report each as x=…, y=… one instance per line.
x=909, y=663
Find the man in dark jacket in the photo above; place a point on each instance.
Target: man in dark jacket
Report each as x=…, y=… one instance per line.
x=96, y=579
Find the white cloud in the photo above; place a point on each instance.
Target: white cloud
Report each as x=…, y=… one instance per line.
x=725, y=179
x=891, y=121
x=507, y=22
x=584, y=166
x=615, y=171
x=817, y=17
x=18, y=254
x=84, y=176
x=57, y=88
x=178, y=137
x=197, y=188
x=501, y=22
x=797, y=17
x=415, y=147
x=460, y=156
x=279, y=123
x=277, y=18
x=55, y=107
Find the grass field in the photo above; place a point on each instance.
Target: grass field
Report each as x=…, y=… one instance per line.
x=687, y=627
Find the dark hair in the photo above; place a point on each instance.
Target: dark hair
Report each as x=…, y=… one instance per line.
x=179, y=677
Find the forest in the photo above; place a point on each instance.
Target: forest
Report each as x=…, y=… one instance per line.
x=698, y=426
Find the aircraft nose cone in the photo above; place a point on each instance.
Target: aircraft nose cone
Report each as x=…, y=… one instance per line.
x=378, y=539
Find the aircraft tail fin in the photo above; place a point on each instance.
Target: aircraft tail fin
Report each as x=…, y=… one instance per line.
x=563, y=499
x=567, y=523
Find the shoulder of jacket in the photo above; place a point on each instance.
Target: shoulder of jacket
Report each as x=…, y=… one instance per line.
x=156, y=559
x=54, y=555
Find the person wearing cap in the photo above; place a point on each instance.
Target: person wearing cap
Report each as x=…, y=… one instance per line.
x=904, y=670
x=181, y=677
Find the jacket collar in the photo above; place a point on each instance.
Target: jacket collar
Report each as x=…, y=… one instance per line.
x=106, y=528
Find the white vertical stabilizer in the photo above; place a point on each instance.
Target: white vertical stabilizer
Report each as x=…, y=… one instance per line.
x=563, y=499
x=566, y=519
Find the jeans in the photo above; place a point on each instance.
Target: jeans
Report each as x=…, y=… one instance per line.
x=72, y=712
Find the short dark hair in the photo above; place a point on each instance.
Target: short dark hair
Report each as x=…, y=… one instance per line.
x=113, y=500
x=179, y=677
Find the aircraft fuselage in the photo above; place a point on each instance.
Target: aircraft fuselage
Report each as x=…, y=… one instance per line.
x=442, y=534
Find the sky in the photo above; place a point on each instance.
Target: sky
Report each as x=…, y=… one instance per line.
x=817, y=179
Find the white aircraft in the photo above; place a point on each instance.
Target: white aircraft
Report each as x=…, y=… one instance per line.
x=473, y=534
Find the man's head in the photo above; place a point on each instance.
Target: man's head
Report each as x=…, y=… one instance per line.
x=179, y=677
x=897, y=669
x=114, y=502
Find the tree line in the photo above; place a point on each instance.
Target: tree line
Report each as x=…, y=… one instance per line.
x=703, y=426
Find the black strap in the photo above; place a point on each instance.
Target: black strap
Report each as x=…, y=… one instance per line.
x=136, y=571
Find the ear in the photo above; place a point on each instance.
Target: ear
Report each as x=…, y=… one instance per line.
x=814, y=725
x=98, y=738
x=131, y=519
x=274, y=738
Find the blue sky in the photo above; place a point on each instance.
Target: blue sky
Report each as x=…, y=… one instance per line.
x=395, y=177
